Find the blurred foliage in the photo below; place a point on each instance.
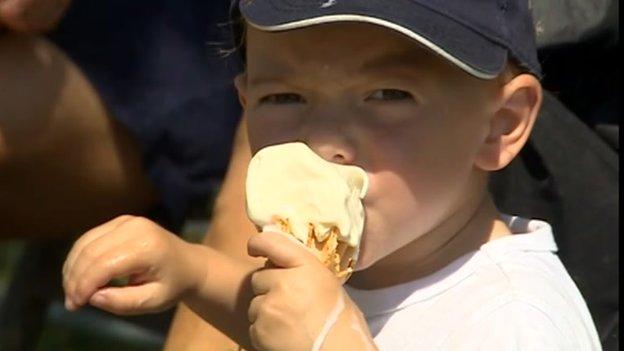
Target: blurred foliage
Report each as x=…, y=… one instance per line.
x=9, y=253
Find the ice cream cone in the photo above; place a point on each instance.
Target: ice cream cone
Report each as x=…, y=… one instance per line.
x=336, y=255
x=293, y=190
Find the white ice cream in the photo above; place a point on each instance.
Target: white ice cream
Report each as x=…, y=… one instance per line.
x=292, y=182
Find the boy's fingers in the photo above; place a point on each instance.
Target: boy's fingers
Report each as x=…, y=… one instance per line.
x=129, y=300
x=254, y=308
x=92, y=245
x=280, y=249
x=92, y=253
x=264, y=279
x=91, y=235
x=118, y=262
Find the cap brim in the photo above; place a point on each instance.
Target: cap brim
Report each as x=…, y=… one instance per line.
x=453, y=41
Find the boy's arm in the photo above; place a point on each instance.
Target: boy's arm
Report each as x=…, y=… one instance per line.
x=224, y=298
x=189, y=332
x=229, y=231
x=162, y=269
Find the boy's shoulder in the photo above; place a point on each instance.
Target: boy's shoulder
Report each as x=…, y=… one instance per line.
x=521, y=291
x=513, y=287
x=521, y=281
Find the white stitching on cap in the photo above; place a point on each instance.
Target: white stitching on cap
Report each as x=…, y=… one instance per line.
x=381, y=22
x=328, y=3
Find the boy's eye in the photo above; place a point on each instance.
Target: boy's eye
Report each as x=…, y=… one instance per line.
x=390, y=95
x=283, y=98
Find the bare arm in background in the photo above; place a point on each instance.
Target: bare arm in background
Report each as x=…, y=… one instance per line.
x=229, y=232
x=65, y=165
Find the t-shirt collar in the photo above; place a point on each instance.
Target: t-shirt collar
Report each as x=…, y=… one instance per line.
x=528, y=235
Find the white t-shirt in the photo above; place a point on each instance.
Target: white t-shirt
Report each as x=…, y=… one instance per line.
x=511, y=294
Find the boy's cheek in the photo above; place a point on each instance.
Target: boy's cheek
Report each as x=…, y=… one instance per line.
x=396, y=214
x=382, y=235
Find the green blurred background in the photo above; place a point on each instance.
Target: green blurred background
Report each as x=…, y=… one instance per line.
x=87, y=329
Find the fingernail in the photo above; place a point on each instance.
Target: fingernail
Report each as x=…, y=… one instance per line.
x=68, y=304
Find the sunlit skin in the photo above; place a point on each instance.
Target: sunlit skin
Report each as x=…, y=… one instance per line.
x=420, y=127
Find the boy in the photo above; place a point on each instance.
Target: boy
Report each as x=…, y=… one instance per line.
x=427, y=98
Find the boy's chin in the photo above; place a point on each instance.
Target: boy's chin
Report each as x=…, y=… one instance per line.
x=366, y=260
x=373, y=252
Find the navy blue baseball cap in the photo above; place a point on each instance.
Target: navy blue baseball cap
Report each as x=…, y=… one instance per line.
x=478, y=36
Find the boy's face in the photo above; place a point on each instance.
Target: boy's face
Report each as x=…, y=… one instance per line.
x=364, y=95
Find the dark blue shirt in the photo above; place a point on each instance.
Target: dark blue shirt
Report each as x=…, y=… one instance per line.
x=157, y=66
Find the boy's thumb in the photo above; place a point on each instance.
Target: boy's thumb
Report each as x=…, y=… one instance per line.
x=129, y=300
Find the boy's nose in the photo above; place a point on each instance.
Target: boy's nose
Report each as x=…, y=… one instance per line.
x=332, y=146
x=334, y=153
x=331, y=135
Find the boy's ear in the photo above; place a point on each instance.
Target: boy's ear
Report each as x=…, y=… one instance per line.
x=511, y=123
x=240, y=82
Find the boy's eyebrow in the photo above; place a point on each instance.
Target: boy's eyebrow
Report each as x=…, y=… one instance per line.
x=277, y=72
x=404, y=60
x=266, y=79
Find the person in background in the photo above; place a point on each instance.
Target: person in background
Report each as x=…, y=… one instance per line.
x=126, y=107
x=111, y=107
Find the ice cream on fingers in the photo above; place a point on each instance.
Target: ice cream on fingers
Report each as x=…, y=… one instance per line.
x=292, y=190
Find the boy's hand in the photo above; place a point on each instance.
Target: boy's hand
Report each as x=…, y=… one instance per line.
x=298, y=301
x=31, y=16
x=156, y=262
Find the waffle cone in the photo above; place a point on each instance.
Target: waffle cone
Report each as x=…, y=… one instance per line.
x=336, y=255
